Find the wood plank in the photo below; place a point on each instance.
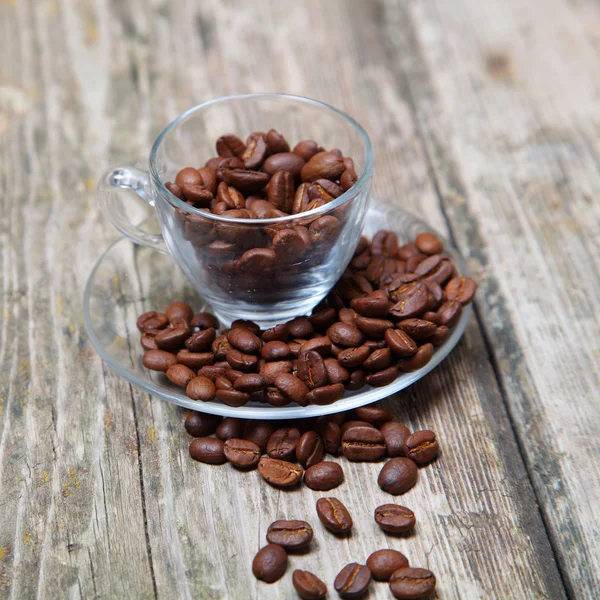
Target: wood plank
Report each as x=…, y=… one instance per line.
x=505, y=98
x=125, y=512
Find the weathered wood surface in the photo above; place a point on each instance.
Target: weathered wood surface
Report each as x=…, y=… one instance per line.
x=483, y=118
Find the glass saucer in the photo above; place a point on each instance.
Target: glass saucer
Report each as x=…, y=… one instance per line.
x=128, y=280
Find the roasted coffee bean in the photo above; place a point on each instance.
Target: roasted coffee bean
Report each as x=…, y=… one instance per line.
x=233, y=375
x=262, y=209
x=292, y=388
x=291, y=535
x=324, y=476
x=230, y=145
x=258, y=432
x=312, y=370
x=436, y=294
x=212, y=371
x=284, y=161
x=418, y=360
x=357, y=380
x=179, y=310
x=255, y=152
x=397, y=476
x=362, y=443
x=301, y=198
x=245, y=181
x=422, y=447
x=384, y=243
x=330, y=433
x=448, y=314
x=280, y=191
x=147, y=340
x=180, y=375
x=328, y=394
x=276, y=142
x=400, y=343
x=208, y=450
x=429, y=243
x=383, y=563
x=382, y=378
x=243, y=454
x=197, y=195
x=201, y=425
x=307, y=149
x=442, y=333
x=270, y=563
x=461, y=289
x=275, y=350
x=257, y=260
x=230, y=427
x=417, y=329
x=308, y=586
x=395, y=435
x=172, y=338
x=348, y=178
x=374, y=329
x=432, y=316
x=324, y=229
x=294, y=346
x=204, y=320
x=406, y=251
x=378, y=360
x=352, y=581
x=188, y=175
x=323, y=165
x=230, y=196
x=222, y=383
x=322, y=319
x=354, y=423
x=174, y=189
x=250, y=383
x=282, y=443
x=353, y=357
x=345, y=335
x=152, y=320
x=334, y=515
x=373, y=414
x=280, y=473
x=325, y=190
x=201, y=341
x=271, y=369
x=437, y=268
x=411, y=299
x=289, y=247
x=158, y=360
x=233, y=397
x=309, y=449
x=347, y=315
x=322, y=345
x=409, y=583
x=414, y=261
x=242, y=362
x=195, y=360
x=279, y=333
x=300, y=328
x=201, y=388
x=335, y=372
x=395, y=518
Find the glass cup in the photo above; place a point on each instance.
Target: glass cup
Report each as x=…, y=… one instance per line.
x=237, y=265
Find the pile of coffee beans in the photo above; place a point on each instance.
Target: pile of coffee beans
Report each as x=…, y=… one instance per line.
x=288, y=453
x=389, y=311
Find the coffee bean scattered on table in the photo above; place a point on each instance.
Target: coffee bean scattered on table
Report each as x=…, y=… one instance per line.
x=308, y=586
x=394, y=518
x=352, y=581
x=383, y=563
x=292, y=535
x=270, y=563
x=409, y=583
x=398, y=475
x=334, y=515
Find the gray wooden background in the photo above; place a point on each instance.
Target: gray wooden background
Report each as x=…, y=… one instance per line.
x=485, y=119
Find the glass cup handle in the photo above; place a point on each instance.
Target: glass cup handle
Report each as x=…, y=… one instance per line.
x=111, y=199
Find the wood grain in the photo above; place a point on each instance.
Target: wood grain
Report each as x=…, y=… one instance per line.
x=98, y=496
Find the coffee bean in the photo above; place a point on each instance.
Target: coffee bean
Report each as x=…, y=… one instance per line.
x=378, y=360
x=232, y=397
x=323, y=165
x=279, y=333
x=397, y=476
x=208, y=450
x=312, y=370
x=301, y=198
x=230, y=145
x=395, y=435
x=201, y=388
x=441, y=335
x=291, y=535
x=345, y=335
x=255, y=152
x=322, y=345
x=243, y=454
x=300, y=328
x=245, y=181
x=270, y=563
x=147, y=340
x=258, y=432
x=400, y=343
x=284, y=161
x=197, y=195
x=373, y=414
x=158, y=360
x=233, y=375
x=334, y=515
x=325, y=190
x=204, y=320
x=307, y=149
x=280, y=473
x=414, y=261
x=357, y=380
x=242, y=362
x=362, y=443
x=276, y=142
x=448, y=314
x=321, y=320
x=228, y=195
x=282, y=443
x=310, y=449
x=250, y=383
x=172, y=338
x=195, y=360
x=289, y=247
x=354, y=423
x=201, y=425
x=201, y=341
x=417, y=361
x=335, y=372
x=188, y=175
x=180, y=375
x=375, y=305
x=395, y=518
x=348, y=178
x=383, y=563
x=411, y=299
x=353, y=357
x=152, y=320
x=212, y=371
x=292, y=388
x=308, y=586
x=412, y=584
x=270, y=370
x=324, y=476
x=230, y=427
x=326, y=394
x=382, y=378
x=347, y=315
x=461, y=289
x=384, y=243
x=374, y=329
x=324, y=229
x=417, y=329
x=280, y=191
x=422, y=446
x=352, y=581
x=222, y=383
x=429, y=243
x=330, y=433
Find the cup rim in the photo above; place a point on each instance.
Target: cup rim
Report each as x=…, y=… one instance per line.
x=315, y=212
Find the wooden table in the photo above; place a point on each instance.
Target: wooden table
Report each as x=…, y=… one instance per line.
x=485, y=120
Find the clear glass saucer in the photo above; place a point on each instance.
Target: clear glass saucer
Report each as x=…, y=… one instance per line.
x=128, y=280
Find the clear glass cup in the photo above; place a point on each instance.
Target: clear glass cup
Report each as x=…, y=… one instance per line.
x=218, y=254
